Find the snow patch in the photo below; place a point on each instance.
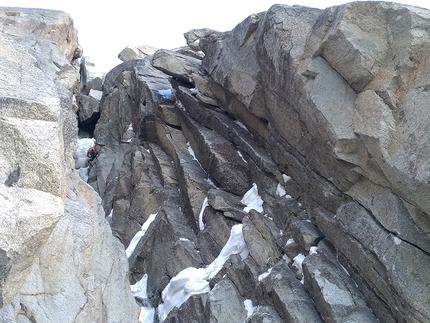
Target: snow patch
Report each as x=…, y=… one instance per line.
x=298, y=261
x=313, y=250
x=289, y=241
x=96, y=94
x=264, y=275
x=252, y=200
x=240, y=124
x=138, y=290
x=139, y=235
x=201, y=224
x=280, y=190
x=286, y=178
x=249, y=307
x=397, y=241
x=192, y=281
x=191, y=151
x=83, y=173
x=241, y=156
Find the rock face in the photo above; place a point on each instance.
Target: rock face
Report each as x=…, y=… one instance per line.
x=58, y=259
x=321, y=115
x=303, y=131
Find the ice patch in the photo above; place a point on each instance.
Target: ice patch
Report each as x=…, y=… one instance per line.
x=139, y=235
x=252, y=200
x=138, y=290
x=192, y=281
x=166, y=94
x=201, y=224
x=249, y=307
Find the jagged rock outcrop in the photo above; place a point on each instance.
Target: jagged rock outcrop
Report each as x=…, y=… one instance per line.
x=58, y=259
x=320, y=116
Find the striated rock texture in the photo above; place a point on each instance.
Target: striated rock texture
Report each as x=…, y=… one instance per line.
x=58, y=259
x=325, y=111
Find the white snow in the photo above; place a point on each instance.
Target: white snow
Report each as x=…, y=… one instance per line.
x=249, y=307
x=139, y=235
x=252, y=200
x=210, y=182
x=264, y=275
x=81, y=159
x=286, y=178
x=139, y=290
x=201, y=224
x=280, y=190
x=240, y=124
x=397, y=241
x=241, y=156
x=289, y=241
x=313, y=250
x=192, y=281
x=96, y=94
x=191, y=151
x=298, y=260
x=83, y=173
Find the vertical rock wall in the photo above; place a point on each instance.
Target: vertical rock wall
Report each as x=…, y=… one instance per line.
x=58, y=259
x=322, y=114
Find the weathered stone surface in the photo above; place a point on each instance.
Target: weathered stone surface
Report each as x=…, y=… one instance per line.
x=306, y=233
x=87, y=107
x=261, y=243
x=385, y=252
x=90, y=77
x=56, y=26
x=218, y=156
x=214, y=235
x=288, y=296
x=335, y=294
x=176, y=64
x=264, y=314
x=59, y=261
x=37, y=135
x=225, y=304
x=130, y=53
x=192, y=178
x=90, y=273
x=193, y=37
x=335, y=99
x=28, y=218
x=224, y=201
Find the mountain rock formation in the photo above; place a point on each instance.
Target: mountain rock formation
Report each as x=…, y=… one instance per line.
x=58, y=259
x=277, y=172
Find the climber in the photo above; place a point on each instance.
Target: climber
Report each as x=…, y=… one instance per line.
x=92, y=154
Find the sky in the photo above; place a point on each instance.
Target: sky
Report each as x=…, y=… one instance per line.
x=106, y=28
